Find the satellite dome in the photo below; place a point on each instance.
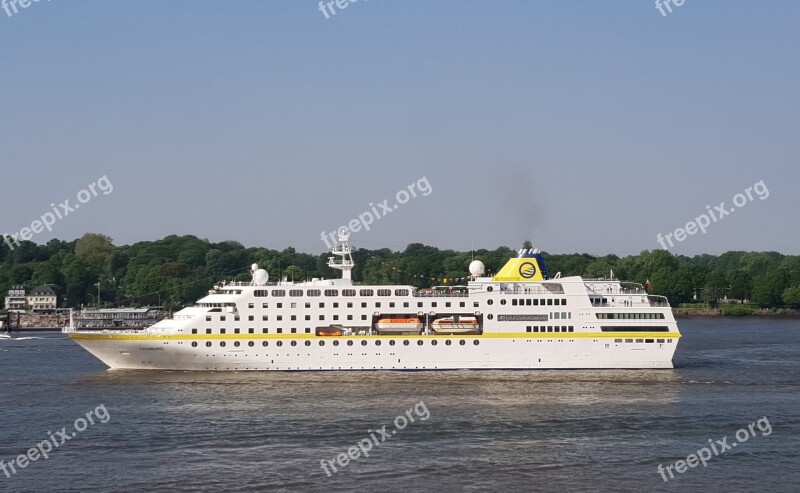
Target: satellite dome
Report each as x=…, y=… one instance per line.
x=260, y=277
x=253, y=267
x=476, y=268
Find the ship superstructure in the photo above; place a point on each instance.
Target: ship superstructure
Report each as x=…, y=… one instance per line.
x=520, y=318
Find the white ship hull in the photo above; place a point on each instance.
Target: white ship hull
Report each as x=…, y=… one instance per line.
x=142, y=352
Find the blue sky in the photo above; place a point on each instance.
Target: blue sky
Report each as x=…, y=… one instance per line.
x=581, y=126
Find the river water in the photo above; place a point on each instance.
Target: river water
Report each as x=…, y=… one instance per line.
x=445, y=431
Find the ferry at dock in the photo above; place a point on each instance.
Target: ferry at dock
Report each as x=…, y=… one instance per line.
x=521, y=318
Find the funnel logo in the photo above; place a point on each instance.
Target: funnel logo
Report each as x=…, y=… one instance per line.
x=527, y=270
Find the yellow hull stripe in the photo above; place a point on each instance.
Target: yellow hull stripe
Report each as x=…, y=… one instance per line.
x=511, y=335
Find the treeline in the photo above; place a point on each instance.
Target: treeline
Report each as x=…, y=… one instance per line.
x=176, y=271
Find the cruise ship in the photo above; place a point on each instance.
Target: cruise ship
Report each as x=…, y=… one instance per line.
x=520, y=318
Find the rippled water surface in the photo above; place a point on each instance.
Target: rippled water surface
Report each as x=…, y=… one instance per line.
x=484, y=430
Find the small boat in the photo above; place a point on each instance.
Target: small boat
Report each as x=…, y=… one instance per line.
x=456, y=325
x=331, y=331
x=399, y=325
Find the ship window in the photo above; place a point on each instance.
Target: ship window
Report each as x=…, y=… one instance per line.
x=321, y=343
x=221, y=331
x=557, y=302
x=295, y=292
x=250, y=318
x=236, y=318
x=236, y=331
x=348, y=292
x=251, y=305
x=363, y=304
x=364, y=343
x=503, y=302
x=280, y=330
x=222, y=344
x=384, y=292
x=401, y=292
x=489, y=302
x=514, y=302
x=349, y=317
x=563, y=301
x=331, y=292
x=308, y=343
x=489, y=289
x=294, y=330
x=208, y=344
x=336, y=305
x=366, y=292
x=264, y=318
x=313, y=292
x=279, y=343
x=194, y=343
x=378, y=342
x=405, y=304
x=236, y=344
x=194, y=331
x=280, y=305
x=628, y=340
x=335, y=343
x=349, y=304
x=462, y=304
x=555, y=315
x=669, y=340
x=448, y=342
x=363, y=317
x=660, y=341
x=571, y=328
x=222, y=318
x=293, y=343
x=377, y=304
x=308, y=317
x=476, y=342
x=349, y=343
x=208, y=331
x=279, y=292
x=549, y=301
x=336, y=317
x=322, y=317
x=490, y=316
x=447, y=305
x=434, y=342
x=265, y=343
x=639, y=340
x=649, y=341
x=419, y=304
x=264, y=305
x=462, y=342
x=208, y=318
x=294, y=317
x=420, y=342
x=391, y=343
x=405, y=343
x=260, y=293
x=279, y=317
x=474, y=304
x=265, y=331
x=391, y=304
x=308, y=330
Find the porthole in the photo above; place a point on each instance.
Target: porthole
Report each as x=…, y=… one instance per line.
x=434, y=342
x=251, y=344
x=364, y=343
x=448, y=342
x=294, y=343
x=476, y=342
x=335, y=343
x=462, y=342
x=308, y=343
x=405, y=343
x=419, y=342
x=349, y=343
x=208, y=344
x=194, y=344
x=222, y=344
x=236, y=344
x=378, y=342
x=279, y=343
x=391, y=343
x=321, y=343
x=490, y=316
x=489, y=289
x=502, y=302
x=265, y=343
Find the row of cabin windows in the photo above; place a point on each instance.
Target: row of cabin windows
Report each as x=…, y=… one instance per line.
x=392, y=304
x=536, y=301
x=630, y=315
x=550, y=328
x=279, y=293
x=377, y=342
x=646, y=341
